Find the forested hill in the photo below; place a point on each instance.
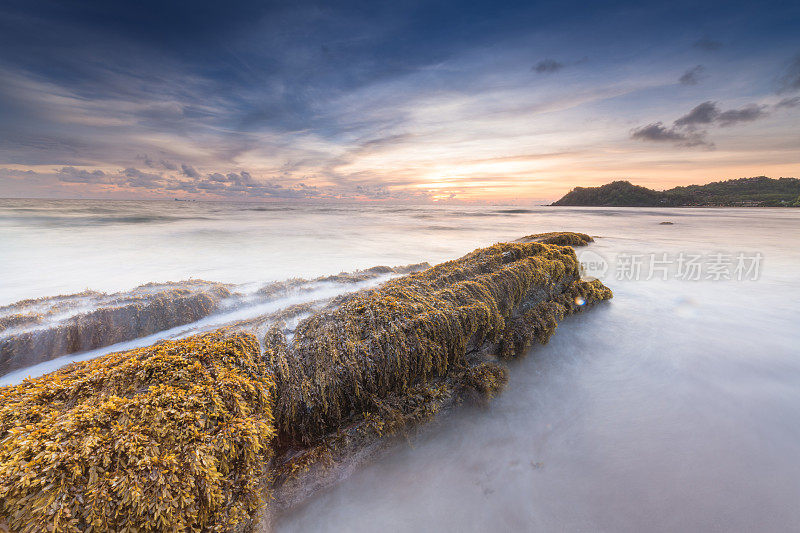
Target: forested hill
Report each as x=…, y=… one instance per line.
x=744, y=192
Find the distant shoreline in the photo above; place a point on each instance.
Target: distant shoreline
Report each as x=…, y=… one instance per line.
x=745, y=192
x=680, y=206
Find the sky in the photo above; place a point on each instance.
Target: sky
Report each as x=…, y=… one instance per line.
x=418, y=101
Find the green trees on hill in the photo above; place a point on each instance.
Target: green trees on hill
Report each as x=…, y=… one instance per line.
x=745, y=192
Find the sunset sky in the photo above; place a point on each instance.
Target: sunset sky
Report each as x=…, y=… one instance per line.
x=396, y=101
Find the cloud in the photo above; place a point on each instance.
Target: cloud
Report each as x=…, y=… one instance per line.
x=135, y=182
x=747, y=113
x=242, y=184
x=657, y=132
x=382, y=192
x=547, y=66
x=550, y=66
x=17, y=173
x=684, y=130
x=704, y=113
x=330, y=96
x=189, y=171
x=789, y=80
x=709, y=112
x=789, y=102
x=76, y=175
x=242, y=179
x=691, y=76
x=133, y=177
x=215, y=184
x=706, y=44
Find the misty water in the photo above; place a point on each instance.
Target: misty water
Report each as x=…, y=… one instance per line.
x=674, y=407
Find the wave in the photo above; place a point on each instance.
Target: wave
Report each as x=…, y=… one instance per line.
x=514, y=211
x=145, y=219
x=469, y=214
x=80, y=220
x=38, y=330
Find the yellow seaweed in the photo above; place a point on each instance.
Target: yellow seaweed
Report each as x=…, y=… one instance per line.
x=345, y=361
x=173, y=437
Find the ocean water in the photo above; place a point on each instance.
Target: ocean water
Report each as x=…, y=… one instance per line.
x=674, y=407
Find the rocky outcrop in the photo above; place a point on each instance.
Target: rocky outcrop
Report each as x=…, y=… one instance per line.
x=213, y=432
x=33, y=331
x=368, y=346
x=381, y=362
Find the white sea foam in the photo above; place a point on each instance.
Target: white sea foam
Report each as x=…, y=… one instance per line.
x=255, y=308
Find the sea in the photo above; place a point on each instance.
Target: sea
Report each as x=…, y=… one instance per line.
x=673, y=407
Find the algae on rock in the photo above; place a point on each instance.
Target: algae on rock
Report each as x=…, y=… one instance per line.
x=172, y=437
x=562, y=238
x=342, y=362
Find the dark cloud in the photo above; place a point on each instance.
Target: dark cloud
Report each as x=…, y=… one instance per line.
x=709, y=45
x=242, y=179
x=136, y=173
x=185, y=186
x=375, y=192
x=691, y=76
x=244, y=65
x=704, y=113
x=789, y=80
x=548, y=66
x=76, y=175
x=709, y=112
x=685, y=130
x=657, y=132
x=17, y=173
x=747, y=113
x=133, y=177
x=793, y=101
x=242, y=185
x=168, y=165
x=216, y=184
x=189, y=171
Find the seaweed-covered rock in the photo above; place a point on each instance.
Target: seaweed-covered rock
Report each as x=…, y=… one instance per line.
x=192, y=434
x=172, y=437
x=562, y=238
x=46, y=328
x=345, y=361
